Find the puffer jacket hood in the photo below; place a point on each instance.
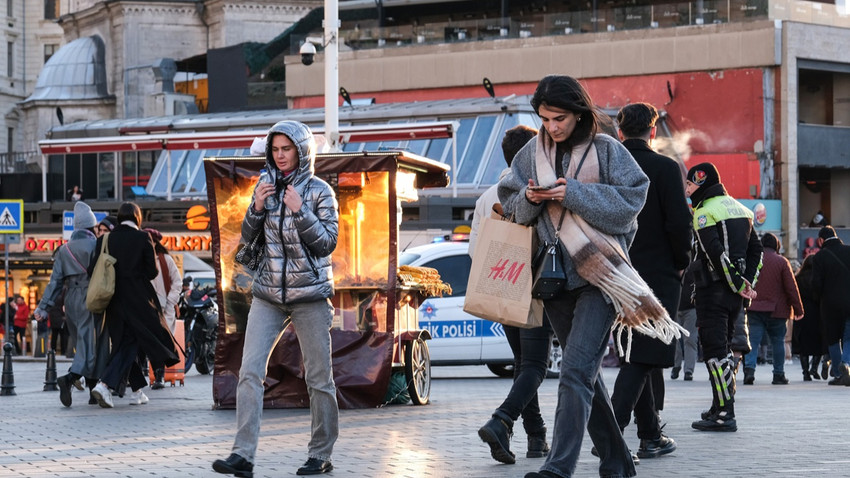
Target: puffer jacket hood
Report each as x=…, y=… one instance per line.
x=302, y=137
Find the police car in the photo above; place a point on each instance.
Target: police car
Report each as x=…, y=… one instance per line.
x=457, y=337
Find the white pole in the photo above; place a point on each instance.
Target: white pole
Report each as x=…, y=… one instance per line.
x=44, y=178
x=332, y=74
x=168, y=183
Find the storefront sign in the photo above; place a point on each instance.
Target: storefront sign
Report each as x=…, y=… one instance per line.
x=187, y=243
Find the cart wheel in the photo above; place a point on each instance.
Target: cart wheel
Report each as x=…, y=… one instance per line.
x=417, y=371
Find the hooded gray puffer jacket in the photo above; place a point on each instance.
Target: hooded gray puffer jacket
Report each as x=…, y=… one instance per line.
x=297, y=264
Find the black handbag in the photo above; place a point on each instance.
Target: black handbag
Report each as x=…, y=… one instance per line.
x=550, y=278
x=251, y=254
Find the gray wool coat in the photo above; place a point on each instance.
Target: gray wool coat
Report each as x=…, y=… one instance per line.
x=611, y=205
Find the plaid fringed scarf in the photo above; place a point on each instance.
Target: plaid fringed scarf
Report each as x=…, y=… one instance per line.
x=599, y=259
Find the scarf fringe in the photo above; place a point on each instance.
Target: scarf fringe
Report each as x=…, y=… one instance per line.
x=636, y=306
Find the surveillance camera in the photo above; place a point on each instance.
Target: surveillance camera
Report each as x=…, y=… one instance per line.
x=308, y=51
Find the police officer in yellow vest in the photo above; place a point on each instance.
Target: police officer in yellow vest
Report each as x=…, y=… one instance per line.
x=728, y=259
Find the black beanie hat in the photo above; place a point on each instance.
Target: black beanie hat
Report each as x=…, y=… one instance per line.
x=704, y=175
x=770, y=241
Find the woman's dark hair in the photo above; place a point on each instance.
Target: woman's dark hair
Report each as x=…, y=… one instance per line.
x=566, y=93
x=129, y=211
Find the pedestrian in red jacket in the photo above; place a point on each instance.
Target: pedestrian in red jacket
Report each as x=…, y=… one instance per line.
x=777, y=300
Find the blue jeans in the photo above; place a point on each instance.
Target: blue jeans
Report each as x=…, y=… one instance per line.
x=839, y=352
x=759, y=323
x=531, y=359
x=582, y=322
x=266, y=323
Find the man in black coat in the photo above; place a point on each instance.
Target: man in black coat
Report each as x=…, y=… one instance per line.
x=659, y=253
x=830, y=283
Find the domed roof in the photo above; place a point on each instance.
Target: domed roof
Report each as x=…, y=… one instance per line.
x=76, y=72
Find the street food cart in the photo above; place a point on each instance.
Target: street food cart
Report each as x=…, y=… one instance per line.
x=375, y=328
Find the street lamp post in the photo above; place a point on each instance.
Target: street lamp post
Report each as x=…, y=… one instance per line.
x=331, y=27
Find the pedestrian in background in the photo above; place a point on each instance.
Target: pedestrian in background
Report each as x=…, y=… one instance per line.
x=70, y=273
x=58, y=332
x=530, y=347
x=107, y=224
x=167, y=285
x=777, y=300
x=607, y=191
x=728, y=262
x=133, y=315
x=830, y=286
x=808, y=340
x=294, y=285
x=687, y=348
x=660, y=252
x=22, y=320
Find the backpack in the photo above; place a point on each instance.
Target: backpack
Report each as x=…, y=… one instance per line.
x=102, y=282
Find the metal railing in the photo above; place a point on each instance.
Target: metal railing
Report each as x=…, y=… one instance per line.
x=698, y=12
x=20, y=162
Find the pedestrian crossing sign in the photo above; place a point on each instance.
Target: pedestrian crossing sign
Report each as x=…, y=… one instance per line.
x=11, y=216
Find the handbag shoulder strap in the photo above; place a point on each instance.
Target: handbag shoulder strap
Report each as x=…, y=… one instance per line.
x=104, y=246
x=575, y=176
x=74, y=257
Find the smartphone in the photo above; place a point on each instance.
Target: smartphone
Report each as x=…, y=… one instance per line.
x=541, y=188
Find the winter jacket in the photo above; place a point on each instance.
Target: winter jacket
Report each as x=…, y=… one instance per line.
x=611, y=205
x=728, y=248
x=297, y=263
x=168, y=298
x=776, y=289
x=830, y=286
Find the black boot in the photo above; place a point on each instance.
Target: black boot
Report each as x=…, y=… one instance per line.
x=497, y=433
x=90, y=384
x=804, y=364
x=749, y=376
x=722, y=421
x=813, y=368
x=779, y=379
x=537, y=445
x=158, y=382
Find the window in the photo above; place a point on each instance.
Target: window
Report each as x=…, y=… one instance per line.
x=10, y=49
x=9, y=12
x=49, y=50
x=454, y=270
x=51, y=9
x=10, y=136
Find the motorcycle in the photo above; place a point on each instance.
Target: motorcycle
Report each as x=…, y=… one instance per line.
x=200, y=313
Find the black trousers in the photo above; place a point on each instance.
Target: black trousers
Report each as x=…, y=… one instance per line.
x=124, y=365
x=531, y=358
x=634, y=390
x=717, y=310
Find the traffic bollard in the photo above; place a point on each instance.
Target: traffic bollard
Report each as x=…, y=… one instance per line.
x=7, y=384
x=50, y=384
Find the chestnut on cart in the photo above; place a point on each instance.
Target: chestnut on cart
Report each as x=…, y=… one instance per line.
x=376, y=330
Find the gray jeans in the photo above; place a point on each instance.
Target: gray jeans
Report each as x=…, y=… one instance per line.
x=266, y=322
x=687, y=347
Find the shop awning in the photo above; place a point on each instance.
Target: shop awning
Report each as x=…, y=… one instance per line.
x=237, y=139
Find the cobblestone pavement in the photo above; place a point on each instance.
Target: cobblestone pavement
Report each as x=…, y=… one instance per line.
x=796, y=430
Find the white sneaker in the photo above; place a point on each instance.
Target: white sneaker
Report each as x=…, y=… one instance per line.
x=138, y=398
x=101, y=393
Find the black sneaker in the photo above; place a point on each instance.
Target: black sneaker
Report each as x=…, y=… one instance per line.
x=234, y=465
x=689, y=376
x=64, y=383
x=655, y=448
x=719, y=422
x=674, y=374
x=315, y=466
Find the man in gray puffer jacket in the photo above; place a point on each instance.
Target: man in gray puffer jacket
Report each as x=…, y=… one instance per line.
x=294, y=283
